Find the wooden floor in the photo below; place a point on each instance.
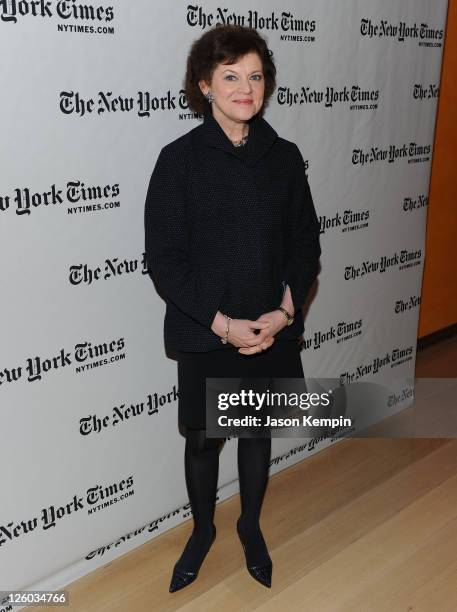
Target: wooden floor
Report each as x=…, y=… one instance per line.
x=364, y=526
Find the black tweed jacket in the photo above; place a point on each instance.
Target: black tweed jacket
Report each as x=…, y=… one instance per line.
x=226, y=228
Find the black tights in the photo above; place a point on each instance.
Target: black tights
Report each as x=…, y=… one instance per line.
x=201, y=462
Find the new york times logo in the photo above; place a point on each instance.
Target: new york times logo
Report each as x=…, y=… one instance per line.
x=402, y=305
x=400, y=31
x=11, y=10
x=112, y=268
x=347, y=220
x=24, y=200
x=400, y=260
x=85, y=355
x=328, y=96
x=96, y=498
x=413, y=152
x=426, y=92
x=393, y=358
x=285, y=21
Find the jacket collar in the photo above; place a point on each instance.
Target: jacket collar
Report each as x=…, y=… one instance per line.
x=260, y=139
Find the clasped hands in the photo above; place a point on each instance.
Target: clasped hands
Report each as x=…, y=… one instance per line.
x=242, y=334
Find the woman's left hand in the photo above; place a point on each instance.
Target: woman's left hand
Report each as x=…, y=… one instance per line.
x=277, y=322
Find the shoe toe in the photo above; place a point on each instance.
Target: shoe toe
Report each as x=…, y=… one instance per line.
x=262, y=574
x=180, y=579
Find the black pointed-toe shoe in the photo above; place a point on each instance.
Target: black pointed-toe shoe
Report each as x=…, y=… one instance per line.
x=261, y=573
x=182, y=577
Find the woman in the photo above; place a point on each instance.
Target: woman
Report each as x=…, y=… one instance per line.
x=232, y=244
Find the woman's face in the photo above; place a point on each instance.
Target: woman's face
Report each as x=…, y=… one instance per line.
x=237, y=89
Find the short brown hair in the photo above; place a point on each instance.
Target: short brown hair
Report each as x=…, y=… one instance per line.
x=224, y=44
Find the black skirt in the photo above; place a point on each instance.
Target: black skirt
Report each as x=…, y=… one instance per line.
x=282, y=360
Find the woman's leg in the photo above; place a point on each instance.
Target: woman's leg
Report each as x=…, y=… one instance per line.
x=253, y=463
x=201, y=463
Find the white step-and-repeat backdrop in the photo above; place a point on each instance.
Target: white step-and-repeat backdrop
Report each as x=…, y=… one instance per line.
x=92, y=461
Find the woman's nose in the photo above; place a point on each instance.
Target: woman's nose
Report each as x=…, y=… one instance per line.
x=245, y=86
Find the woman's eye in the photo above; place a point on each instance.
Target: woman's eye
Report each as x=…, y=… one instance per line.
x=229, y=77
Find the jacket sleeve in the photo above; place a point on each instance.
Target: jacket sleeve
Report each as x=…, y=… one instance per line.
x=195, y=292
x=304, y=250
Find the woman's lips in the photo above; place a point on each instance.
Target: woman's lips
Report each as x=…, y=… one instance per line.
x=243, y=101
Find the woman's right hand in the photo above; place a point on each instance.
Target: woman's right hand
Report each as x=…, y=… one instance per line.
x=241, y=332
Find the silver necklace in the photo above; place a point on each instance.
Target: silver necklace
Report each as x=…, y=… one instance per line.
x=240, y=143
